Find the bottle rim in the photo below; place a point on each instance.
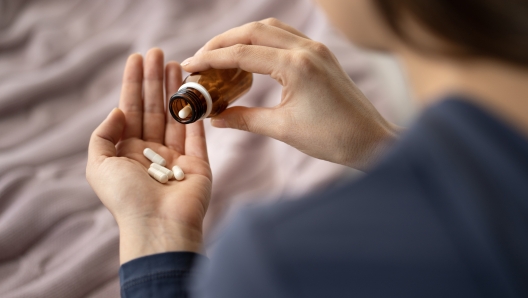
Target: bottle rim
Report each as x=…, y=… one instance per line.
x=188, y=96
x=205, y=93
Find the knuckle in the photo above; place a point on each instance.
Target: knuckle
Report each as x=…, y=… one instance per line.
x=132, y=106
x=153, y=106
x=271, y=21
x=256, y=29
x=309, y=58
x=256, y=26
x=239, y=50
x=153, y=74
x=320, y=49
x=149, y=106
x=242, y=123
x=211, y=42
x=303, y=61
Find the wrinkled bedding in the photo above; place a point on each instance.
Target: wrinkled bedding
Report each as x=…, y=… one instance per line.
x=60, y=73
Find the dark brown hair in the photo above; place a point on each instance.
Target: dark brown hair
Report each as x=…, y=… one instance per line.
x=489, y=28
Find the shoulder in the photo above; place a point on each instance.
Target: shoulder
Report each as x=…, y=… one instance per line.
x=377, y=236
x=422, y=223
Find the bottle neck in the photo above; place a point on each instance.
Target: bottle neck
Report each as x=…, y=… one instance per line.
x=192, y=97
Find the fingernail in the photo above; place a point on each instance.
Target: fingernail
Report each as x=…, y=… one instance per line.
x=218, y=122
x=186, y=61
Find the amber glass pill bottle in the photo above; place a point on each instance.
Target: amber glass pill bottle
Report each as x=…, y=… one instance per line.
x=208, y=93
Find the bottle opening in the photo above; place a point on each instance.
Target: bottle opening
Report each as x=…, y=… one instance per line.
x=187, y=106
x=177, y=105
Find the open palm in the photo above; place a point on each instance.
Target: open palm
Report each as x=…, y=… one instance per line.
x=117, y=169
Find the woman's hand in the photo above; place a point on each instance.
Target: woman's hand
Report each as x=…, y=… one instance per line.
x=152, y=217
x=322, y=112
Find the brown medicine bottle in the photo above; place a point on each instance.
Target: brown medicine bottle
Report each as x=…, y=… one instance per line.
x=208, y=93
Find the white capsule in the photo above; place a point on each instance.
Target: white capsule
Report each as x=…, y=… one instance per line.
x=183, y=113
x=178, y=173
x=154, y=157
x=162, y=169
x=158, y=175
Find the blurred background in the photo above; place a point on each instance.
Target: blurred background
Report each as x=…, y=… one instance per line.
x=61, y=63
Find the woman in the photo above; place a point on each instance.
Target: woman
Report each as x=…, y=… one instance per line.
x=442, y=212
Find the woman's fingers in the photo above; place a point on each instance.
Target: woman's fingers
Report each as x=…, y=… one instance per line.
x=256, y=33
x=195, y=140
x=154, y=111
x=276, y=23
x=261, y=121
x=265, y=47
x=131, y=102
x=174, y=131
x=251, y=58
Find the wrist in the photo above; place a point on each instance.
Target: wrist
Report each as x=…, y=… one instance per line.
x=372, y=146
x=145, y=238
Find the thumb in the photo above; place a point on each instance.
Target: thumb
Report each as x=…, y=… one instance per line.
x=256, y=120
x=106, y=135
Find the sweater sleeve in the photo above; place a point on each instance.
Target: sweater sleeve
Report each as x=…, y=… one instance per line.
x=160, y=275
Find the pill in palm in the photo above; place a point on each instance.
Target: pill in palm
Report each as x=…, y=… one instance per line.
x=178, y=173
x=158, y=175
x=162, y=169
x=154, y=157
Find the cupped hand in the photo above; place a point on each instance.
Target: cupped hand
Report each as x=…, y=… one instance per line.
x=152, y=217
x=321, y=113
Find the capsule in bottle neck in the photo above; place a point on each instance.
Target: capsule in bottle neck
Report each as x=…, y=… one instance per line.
x=208, y=93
